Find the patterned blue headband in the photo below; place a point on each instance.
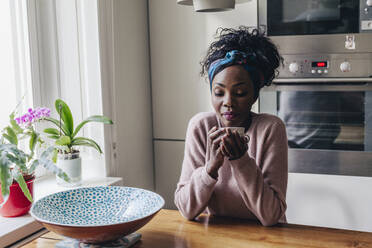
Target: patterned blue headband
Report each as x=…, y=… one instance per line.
x=236, y=57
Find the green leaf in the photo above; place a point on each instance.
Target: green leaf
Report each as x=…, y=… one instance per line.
x=50, y=152
x=55, y=155
x=81, y=141
x=56, y=122
x=8, y=138
x=54, y=137
x=50, y=166
x=33, y=166
x=63, y=141
x=6, y=178
x=52, y=131
x=22, y=184
x=18, y=161
x=23, y=136
x=40, y=141
x=11, y=136
x=14, y=124
x=12, y=150
x=47, y=153
x=64, y=111
x=94, y=118
x=33, y=141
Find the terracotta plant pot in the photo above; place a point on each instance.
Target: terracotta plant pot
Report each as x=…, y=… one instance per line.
x=17, y=203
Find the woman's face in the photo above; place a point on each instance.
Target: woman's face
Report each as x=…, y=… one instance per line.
x=233, y=96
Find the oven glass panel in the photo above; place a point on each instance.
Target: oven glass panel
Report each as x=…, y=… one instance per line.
x=324, y=119
x=295, y=17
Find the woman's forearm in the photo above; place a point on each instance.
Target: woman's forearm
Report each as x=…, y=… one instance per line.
x=266, y=201
x=192, y=196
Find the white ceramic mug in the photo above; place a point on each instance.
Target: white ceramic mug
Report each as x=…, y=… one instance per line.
x=240, y=130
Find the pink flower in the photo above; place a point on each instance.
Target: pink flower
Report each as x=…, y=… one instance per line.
x=32, y=115
x=24, y=119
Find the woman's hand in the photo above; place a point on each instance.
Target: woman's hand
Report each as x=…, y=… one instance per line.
x=233, y=145
x=216, y=157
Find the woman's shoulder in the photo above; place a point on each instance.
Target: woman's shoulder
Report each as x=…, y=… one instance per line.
x=203, y=119
x=264, y=120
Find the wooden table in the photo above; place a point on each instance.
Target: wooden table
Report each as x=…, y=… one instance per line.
x=169, y=229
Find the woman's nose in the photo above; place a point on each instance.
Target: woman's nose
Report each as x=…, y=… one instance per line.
x=227, y=101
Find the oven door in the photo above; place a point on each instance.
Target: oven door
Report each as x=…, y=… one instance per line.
x=329, y=125
x=307, y=17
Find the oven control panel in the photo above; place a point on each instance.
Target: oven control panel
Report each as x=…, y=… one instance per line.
x=365, y=16
x=331, y=65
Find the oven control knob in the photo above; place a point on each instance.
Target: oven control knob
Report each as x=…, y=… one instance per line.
x=293, y=67
x=345, y=66
x=369, y=3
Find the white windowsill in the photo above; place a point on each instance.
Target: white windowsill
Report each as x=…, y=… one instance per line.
x=16, y=228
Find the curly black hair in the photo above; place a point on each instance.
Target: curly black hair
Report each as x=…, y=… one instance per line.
x=248, y=40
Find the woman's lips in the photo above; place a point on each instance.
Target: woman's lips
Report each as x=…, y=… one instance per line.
x=229, y=115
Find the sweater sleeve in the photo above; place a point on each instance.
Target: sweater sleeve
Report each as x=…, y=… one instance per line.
x=263, y=183
x=195, y=186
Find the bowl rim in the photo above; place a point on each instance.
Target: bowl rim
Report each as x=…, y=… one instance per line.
x=95, y=225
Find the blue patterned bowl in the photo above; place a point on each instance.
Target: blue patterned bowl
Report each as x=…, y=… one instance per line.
x=97, y=214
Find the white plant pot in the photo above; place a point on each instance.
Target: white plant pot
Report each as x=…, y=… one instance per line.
x=71, y=165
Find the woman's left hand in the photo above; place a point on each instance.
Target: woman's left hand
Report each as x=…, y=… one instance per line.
x=233, y=145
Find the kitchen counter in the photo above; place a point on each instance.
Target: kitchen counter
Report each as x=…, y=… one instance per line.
x=169, y=229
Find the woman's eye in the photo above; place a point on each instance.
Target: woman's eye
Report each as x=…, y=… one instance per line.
x=218, y=93
x=241, y=93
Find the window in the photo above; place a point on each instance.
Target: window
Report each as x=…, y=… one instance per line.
x=50, y=50
x=15, y=81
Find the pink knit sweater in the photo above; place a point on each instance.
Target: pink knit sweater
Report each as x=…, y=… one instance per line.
x=253, y=186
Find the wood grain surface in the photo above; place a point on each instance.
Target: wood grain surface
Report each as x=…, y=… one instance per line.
x=169, y=229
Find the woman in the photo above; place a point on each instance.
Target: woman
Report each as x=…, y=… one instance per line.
x=224, y=173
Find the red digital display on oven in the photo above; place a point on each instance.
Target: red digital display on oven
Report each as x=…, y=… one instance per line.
x=319, y=64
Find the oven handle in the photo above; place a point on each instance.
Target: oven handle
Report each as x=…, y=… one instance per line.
x=321, y=80
x=320, y=84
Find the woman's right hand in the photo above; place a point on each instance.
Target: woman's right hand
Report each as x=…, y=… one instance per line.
x=216, y=158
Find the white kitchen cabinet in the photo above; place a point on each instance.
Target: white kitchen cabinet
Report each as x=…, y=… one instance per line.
x=330, y=201
x=126, y=89
x=168, y=163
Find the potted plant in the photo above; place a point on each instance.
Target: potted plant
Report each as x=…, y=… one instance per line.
x=17, y=165
x=67, y=139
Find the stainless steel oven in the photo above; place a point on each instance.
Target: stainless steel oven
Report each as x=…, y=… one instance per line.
x=317, y=26
x=312, y=17
x=323, y=92
x=325, y=100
